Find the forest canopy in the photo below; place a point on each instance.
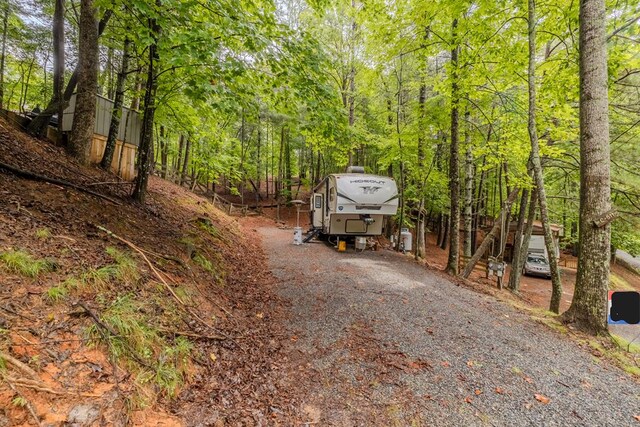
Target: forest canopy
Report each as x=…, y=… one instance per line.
x=254, y=91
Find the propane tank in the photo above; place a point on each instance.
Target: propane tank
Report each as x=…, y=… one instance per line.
x=297, y=235
x=405, y=240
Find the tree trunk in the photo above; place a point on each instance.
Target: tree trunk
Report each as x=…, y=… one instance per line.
x=185, y=164
x=287, y=164
x=179, y=160
x=5, y=21
x=146, y=138
x=454, y=173
x=116, y=113
x=468, y=192
x=514, y=277
x=497, y=225
x=526, y=238
x=445, y=231
x=84, y=117
x=589, y=305
x=58, y=59
x=556, y=293
x=38, y=125
x=164, y=154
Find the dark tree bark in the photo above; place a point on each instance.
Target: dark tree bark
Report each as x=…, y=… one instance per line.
x=556, y=293
x=38, y=125
x=145, y=150
x=116, y=113
x=58, y=58
x=5, y=21
x=179, y=159
x=185, y=164
x=84, y=118
x=454, y=173
x=164, y=154
x=588, y=309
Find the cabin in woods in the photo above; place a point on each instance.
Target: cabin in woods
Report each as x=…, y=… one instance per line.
x=127, y=141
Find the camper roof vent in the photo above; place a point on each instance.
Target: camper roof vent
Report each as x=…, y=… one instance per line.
x=355, y=169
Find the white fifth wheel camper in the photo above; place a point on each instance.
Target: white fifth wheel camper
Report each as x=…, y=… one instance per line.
x=353, y=204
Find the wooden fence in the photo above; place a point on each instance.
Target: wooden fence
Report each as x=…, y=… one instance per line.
x=569, y=263
x=228, y=206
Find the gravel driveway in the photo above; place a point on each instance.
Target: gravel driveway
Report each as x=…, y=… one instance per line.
x=383, y=341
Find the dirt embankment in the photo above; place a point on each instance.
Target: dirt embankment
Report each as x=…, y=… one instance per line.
x=171, y=322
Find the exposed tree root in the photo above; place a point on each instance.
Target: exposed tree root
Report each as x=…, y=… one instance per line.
x=35, y=177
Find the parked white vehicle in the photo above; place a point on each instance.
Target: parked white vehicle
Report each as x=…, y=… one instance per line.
x=353, y=204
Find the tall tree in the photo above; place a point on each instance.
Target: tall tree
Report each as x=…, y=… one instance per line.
x=468, y=190
x=85, y=109
x=116, y=113
x=556, y=293
x=145, y=150
x=588, y=308
x=454, y=169
x=38, y=125
x=3, y=53
x=58, y=57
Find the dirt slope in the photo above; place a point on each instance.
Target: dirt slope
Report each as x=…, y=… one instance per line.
x=92, y=334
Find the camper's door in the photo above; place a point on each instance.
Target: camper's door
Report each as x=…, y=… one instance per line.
x=318, y=210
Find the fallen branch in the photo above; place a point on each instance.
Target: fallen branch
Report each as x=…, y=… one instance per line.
x=151, y=266
x=27, y=403
x=35, y=177
x=19, y=365
x=42, y=387
x=162, y=279
x=109, y=329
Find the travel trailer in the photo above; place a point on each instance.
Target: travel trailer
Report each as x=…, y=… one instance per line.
x=352, y=204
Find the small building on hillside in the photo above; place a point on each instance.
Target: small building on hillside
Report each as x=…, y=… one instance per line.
x=127, y=141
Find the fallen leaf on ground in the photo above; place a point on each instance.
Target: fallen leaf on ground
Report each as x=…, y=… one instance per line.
x=637, y=417
x=478, y=392
x=213, y=357
x=542, y=398
x=529, y=380
x=468, y=399
x=499, y=390
x=470, y=363
x=445, y=364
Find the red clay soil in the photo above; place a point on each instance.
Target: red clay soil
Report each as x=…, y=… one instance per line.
x=233, y=378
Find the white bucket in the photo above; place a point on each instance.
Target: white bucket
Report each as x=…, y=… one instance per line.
x=297, y=235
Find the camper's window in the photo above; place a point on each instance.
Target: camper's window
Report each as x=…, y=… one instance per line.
x=318, y=202
x=332, y=194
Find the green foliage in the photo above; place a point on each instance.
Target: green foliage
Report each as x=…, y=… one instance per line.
x=21, y=262
x=43, y=233
x=203, y=262
x=123, y=272
x=19, y=401
x=137, y=340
